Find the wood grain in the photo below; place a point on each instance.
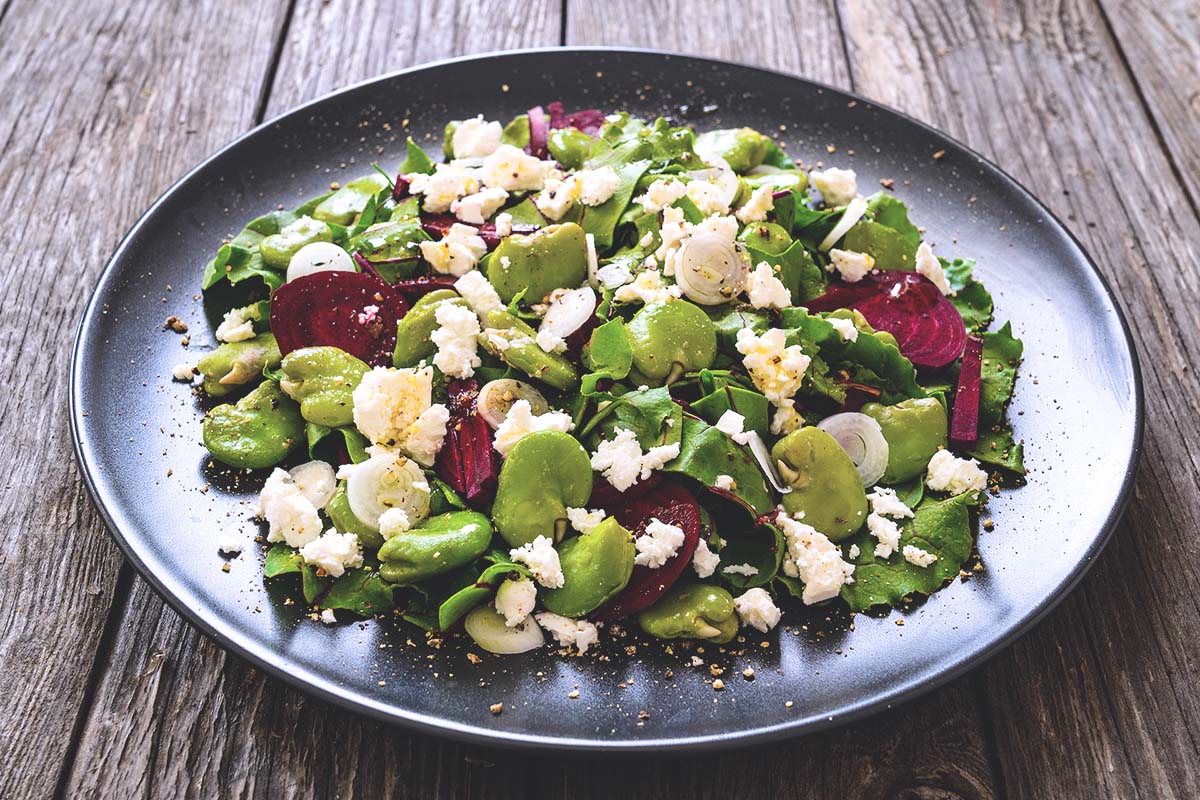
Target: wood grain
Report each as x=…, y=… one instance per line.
x=1099, y=701
x=1160, y=41
x=101, y=106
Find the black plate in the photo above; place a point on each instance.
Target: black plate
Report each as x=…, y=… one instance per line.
x=1078, y=407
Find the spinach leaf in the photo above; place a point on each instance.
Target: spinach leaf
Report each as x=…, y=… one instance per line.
x=761, y=548
x=416, y=160
x=972, y=300
x=997, y=447
x=601, y=220
x=1001, y=356
x=237, y=263
x=751, y=405
x=285, y=560
x=890, y=211
x=705, y=453
x=941, y=527
x=361, y=591
x=776, y=157
x=797, y=271
x=608, y=351
x=651, y=414
x=321, y=438
x=458, y=604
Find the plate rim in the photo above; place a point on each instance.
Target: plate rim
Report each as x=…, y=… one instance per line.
x=260, y=656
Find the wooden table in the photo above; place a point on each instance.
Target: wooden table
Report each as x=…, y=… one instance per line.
x=1092, y=104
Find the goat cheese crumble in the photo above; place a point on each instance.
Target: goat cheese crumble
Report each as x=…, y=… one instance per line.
x=658, y=544
x=623, y=463
x=756, y=609
x=515, y=599
x=577, y=633
x=837, y=186
x=456, y=338
x=583, y=519
x=542, y=560
x=521, y=421
x=333, y=552
x=947, y=473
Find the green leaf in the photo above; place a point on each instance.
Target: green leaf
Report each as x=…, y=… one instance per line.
x=974, y=304
x=237, y=263
x=608, y=351
x=997, y=447
x=751, y=405
x=761, y=548
x=319, y=438
x=705, y=453
x=797, y=271
x=458, y=604
x=443, y=499
x=526, y=213
x=651, y=414
x=361, y=591
x=416, y=160
x=1001, y=356
x=516, y=132
x=728, y=320
x=285, y=560
x=777, y=158
x=890, y=211
x=911, y=492
x=959, y=272
x=941, y=527
x=601, y=220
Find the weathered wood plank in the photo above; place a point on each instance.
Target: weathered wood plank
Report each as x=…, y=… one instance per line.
x=101, y=106
x=1161, y=43
x=1099, y=701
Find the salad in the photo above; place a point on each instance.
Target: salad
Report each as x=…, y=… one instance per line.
x=591, y=368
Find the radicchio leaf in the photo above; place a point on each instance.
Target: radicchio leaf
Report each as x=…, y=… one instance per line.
x=928, y=328
x=672, y=505
x=354, y=311
x=467, y=460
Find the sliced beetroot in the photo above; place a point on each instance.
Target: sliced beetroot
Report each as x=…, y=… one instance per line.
x=467, y=460
x=927, y=326
x=964, y=421
x=590, y=121
x=400, y=188
x=364, y=265
x=605, y=496
x=354, y=311
x=670, y=504
x=416, y=288
x=858, y=395
x=539, y=132
x=438, y=225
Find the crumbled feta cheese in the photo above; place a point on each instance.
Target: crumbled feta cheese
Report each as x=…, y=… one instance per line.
x=478, y=292
x=515, y=600
x=918, y=557
x=623, y=463
x=333, y=552
x=672, y=232
x=726, y=483
x=514, y=170
x=708, y=197
x=597, y=186
x=230, y=544
x=290, y=516
x=837, y=186
x=887, y=532
x=577, y=633
x=765, y=290
x=476, y=208
x=854, y=551
x=954, y=475
x=658, y=544
x=522, y=421
x=448, y=183
x=660, y=194
x=740, y=569
x=852, y=266
x=476, y=138
x=504, y=223
x=756, y=609
x=704, y=560
x=697, y=661
x=183, y=372
x=235, y=327
x=557, y=198
x=845, y=328
x=583, y=520
x=611, y=276
x=813, y=559
x=328, y=617
x=756, y=208
x=777, y=370
x=456, y=340
x=393, y=407
x=885, y=502
x=647, y=288
x=550, y=342
x=457, y=253
x=394, y=522
x=733, y=425
x=929, y=266
x=542, y=560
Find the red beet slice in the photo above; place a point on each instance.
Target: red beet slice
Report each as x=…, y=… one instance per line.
x=907, y=305
x=438, y=225
x=558, y=117
x=400, y=188
x=355, y=311
x=590, y=121
x=673, y=505
x=416, y=288
x=539, y=132
x=964, y=422
x=605, y=496
x=467, y=460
